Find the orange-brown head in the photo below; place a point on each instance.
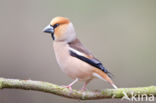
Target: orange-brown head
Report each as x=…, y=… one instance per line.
x=61, y=29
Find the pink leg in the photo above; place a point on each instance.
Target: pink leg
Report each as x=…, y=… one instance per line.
x=85, y=85
x=70, y=85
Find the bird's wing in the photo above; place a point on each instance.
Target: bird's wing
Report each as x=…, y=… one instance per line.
x=77, y=45
x=79, y=51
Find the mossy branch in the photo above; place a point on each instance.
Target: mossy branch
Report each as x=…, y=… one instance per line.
x=61, y=91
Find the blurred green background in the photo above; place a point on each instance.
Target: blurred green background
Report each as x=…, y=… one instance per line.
x=120, y=33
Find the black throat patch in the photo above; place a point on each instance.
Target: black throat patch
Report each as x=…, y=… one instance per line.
x=52, y=35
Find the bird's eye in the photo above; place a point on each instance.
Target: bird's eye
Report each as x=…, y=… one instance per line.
x=56, y=25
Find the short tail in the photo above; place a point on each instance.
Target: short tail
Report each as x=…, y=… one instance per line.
x=109, y=80
x=114, y=86
x=104, y=76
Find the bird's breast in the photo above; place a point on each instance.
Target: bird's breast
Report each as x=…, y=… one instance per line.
x=72, y=66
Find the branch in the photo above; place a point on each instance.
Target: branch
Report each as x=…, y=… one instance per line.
x=61, y=91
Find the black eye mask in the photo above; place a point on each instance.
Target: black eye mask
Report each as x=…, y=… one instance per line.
x=56, y=25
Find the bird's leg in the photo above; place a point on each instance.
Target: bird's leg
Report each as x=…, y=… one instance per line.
x=85, y=85
x=70, y=85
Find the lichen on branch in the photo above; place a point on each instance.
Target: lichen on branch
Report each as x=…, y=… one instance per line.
x=75, y=94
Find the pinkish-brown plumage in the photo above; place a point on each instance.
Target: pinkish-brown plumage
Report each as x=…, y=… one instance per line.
x=73, y=58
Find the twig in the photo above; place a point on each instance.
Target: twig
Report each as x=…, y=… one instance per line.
x=61, y=91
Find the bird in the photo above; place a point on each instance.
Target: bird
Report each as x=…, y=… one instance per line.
x=73, y=57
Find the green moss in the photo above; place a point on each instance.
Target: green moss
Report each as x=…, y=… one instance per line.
x=103, y=92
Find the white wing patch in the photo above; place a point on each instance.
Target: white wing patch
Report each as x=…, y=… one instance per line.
x=76, y=51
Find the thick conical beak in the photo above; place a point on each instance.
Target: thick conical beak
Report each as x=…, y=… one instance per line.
x=48, y=29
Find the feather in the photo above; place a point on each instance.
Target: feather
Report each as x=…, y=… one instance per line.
x=92, y=62
x=77, y=50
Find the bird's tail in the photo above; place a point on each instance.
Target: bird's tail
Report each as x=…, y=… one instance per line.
x=104, y=76
x=107, y=78
x=113, y=84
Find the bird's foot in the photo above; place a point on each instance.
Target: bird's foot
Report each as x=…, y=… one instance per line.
x=83, y=89
x=69, y=87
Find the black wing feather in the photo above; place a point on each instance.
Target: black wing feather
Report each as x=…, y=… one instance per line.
x=92, y=62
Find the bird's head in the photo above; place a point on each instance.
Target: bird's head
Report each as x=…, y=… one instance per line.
x=61, y=29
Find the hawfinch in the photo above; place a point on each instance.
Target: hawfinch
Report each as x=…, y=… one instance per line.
x=73, y=58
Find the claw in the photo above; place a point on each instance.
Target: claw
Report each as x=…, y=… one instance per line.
x=69, y=87
x=83, y=89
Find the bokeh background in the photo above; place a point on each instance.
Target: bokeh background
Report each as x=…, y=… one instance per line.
x=121, y=33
